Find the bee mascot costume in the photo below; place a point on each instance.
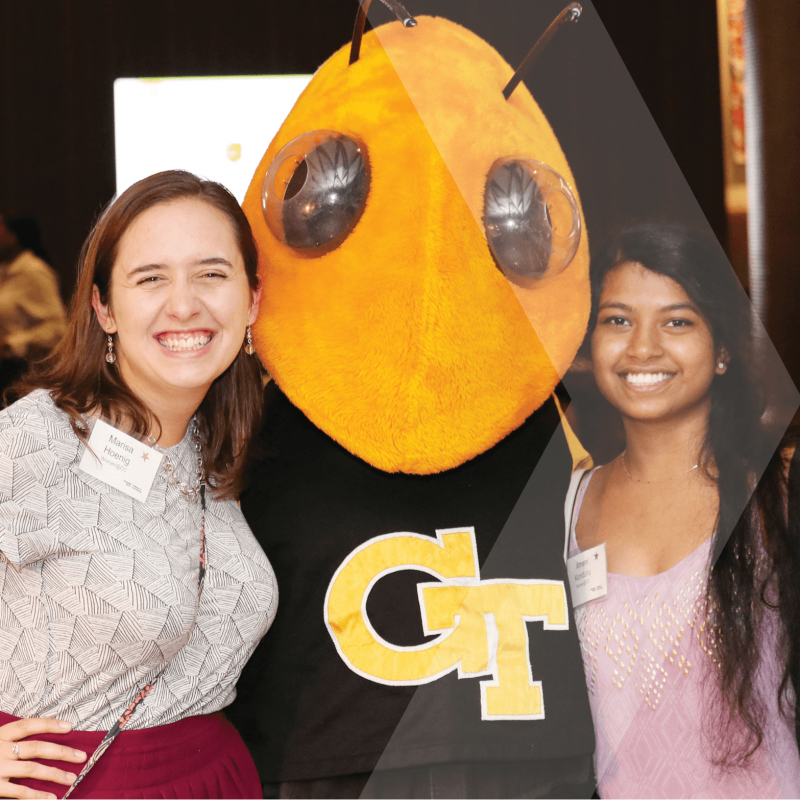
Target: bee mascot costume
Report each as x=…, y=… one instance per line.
x=425, y=279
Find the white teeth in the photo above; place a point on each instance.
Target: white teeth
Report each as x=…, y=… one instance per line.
x=646, y=378
x=183, y=344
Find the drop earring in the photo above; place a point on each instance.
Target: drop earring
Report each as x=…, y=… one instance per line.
x=110, y=357
x=248, y=348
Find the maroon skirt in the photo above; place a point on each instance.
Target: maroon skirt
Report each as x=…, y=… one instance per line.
x=198, y=757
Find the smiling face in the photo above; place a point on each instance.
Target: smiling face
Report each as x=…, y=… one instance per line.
x=179, y=301
x=653, y=353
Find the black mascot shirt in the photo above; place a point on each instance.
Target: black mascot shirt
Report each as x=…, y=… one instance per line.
x=422, y=619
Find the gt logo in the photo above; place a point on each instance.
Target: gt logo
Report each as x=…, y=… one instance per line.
x=481, y=623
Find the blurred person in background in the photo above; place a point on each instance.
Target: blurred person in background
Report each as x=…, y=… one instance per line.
x=32, y=317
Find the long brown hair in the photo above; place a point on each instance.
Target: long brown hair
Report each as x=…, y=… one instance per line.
x=81, y=381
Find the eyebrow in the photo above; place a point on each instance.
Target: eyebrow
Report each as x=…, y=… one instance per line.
x=672, y=307
x=681, y=307
x=200, y=263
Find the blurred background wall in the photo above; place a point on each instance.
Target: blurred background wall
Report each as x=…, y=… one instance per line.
x=59, y=58
x=773, y=116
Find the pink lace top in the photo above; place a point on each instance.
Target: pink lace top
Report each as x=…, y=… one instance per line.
x=646, y=653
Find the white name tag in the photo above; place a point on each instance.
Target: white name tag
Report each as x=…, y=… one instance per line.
x=588, y=577
x=120, y=460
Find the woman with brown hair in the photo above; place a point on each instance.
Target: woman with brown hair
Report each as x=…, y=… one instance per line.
x=131, y=596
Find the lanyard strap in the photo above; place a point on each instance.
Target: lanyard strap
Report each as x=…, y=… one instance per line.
x=129, y=711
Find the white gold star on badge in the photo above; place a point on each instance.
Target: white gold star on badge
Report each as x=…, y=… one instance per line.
x=145, y=456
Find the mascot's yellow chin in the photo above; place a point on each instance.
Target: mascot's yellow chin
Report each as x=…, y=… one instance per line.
x=406, y=344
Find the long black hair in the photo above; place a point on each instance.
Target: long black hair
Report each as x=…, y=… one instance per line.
x=752, y=570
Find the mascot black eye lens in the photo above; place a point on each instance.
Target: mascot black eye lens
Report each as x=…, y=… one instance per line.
x=531, y=219
x=297, y=181
x=315, y=191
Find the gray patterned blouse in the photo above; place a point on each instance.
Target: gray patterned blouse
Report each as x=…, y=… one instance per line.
x=98, y=590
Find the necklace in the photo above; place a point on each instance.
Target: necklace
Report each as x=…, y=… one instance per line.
x=189, y=492
x=665, y=480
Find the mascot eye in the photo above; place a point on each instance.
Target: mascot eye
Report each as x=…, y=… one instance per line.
x=532, y=221
x=315, y=191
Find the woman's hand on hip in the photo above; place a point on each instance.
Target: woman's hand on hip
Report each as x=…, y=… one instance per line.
x=16, y=756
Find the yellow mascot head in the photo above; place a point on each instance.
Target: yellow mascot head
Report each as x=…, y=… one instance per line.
x=423, y=254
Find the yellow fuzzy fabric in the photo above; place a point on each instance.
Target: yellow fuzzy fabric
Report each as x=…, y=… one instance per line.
x=406, y=344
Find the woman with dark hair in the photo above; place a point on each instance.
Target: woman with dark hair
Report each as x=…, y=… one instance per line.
x=689, y=654
x=132, y=591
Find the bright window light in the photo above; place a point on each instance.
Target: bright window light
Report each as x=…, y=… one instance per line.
x=218, y=128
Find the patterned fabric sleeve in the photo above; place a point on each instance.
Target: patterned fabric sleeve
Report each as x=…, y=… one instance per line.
x=36, y=448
